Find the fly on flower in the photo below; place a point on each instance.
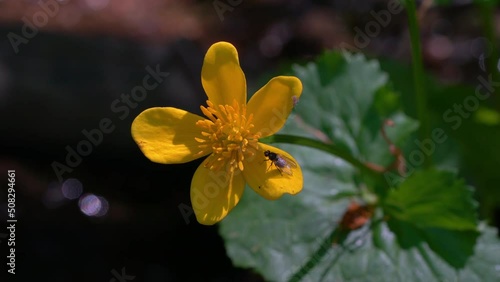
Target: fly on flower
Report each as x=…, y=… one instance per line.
x=283, y=164
x=228, y=135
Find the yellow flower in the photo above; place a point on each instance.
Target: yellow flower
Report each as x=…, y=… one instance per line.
x=228, y=135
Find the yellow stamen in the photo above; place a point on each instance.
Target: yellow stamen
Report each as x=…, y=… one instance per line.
x=228, y=133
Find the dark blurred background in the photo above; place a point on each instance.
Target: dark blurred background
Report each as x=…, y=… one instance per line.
x=116, y=212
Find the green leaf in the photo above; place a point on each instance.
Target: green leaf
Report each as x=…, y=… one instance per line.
x=278, y=240
x=453, y=246
x=378, y=255
x=344, y=96
x=298, y=237
x=471, y=144
x=433, y=199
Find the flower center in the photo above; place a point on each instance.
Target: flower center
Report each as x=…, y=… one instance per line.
x=228, y=135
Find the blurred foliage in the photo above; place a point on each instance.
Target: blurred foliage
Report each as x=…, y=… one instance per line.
x=476, y=141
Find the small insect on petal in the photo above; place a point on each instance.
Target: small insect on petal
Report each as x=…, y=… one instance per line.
x=283, y=164
x=295, y=100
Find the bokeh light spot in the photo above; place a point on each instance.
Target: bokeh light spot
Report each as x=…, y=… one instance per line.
x=487, y=116
x=104, y=207
x=92, y=205
x=89, y=204
x=440, y=47
x=72, y=188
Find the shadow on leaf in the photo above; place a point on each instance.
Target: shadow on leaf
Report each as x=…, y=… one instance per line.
x=453, y=246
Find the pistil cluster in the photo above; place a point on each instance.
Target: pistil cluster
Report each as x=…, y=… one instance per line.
x=227, y=133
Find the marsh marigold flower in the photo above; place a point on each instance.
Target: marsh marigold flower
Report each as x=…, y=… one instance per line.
x=228, y=134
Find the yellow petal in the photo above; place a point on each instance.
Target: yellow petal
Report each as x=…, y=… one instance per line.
x=167, y=135
x=272, y=104
x=222, y=77
x=265, y=179
x=215, y=194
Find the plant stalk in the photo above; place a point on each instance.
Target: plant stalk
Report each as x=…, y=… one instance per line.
x=418, y=75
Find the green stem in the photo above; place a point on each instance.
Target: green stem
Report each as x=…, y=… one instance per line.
x=487, y=12
x=320, y=253
x=329, y=148
x=418, y=74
